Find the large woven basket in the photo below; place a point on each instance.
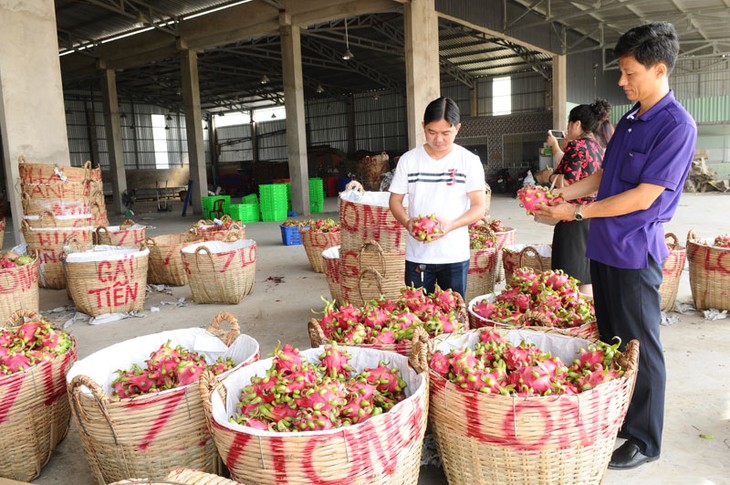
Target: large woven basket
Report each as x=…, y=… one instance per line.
x=371, y=272
x=34, y=413
x=502, y=239
x=151, y=434
x=19, y=289
x=107, y=279
x=166, y=266
x=44, y=173
x=369, y=219
x=493, y=438
x=48, y=219
x=482, y=272
x=403, y=347
x=50, y=245
x=385, y=449
x=672, y=272
x=128, y=233
x=57, y=207
x=331, y=264
x=315, y=242
x=709, y=273
x=220, y=271
x=209, y=231
x=536, y=256
x=587, y=330
x=181, y=476
x=60, y=190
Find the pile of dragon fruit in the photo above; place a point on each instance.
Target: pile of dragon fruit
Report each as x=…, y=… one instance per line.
x=298, y=395
x=552, y=293
x=481, y=236
x=382, y=321
x=323, y=225
x=30, y=344
x=167, y=368
x=425, y=227
x=722, y=241
x=497, y=366
x=533, y=196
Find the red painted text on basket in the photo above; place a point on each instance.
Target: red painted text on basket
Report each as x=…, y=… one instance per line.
x=55, y=239
x=120, y=287
x=56, y=385
x=11, y=393
x=374, y=220
x=55, y=191
x=484, y=262
x=20, y=280
x=717, y=261
x=171, y=401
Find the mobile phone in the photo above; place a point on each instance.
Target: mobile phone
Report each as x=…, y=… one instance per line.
x=557, y=133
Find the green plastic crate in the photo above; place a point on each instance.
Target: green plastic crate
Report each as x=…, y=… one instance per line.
x=250, y=199
x=276, y=215
x=245, y=212
x=207, y=202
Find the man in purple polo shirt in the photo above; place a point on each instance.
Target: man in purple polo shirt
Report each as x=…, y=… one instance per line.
x=639, y=185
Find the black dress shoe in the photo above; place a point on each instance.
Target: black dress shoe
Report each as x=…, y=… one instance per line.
x=629, y=456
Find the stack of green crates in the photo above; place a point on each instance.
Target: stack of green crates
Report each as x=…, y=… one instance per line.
x=207, y=204
x=274, y=203
x=316, y=195
x=245, y=212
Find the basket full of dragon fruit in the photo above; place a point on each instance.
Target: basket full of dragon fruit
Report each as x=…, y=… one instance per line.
x=331, y=414
x=34, y=414
x=18, y=282
x=317, y=236
x=221, y=229
x=535, y=256
x=137, y=406
x=545, y=406
x=709, y=271
x=390, y=324
x=547, y=298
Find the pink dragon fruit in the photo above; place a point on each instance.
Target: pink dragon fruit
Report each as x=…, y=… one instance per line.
x=222, y=364
x=496, y=225
x=425, y=227
x=439, y=362
x=384, y=378
x=287, y=359
x=722, y=241
x=334, y=361
x=532, y=197
x=188, y=372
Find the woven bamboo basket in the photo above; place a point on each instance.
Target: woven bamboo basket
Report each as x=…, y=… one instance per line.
x=385, y=449
x=210, y=231
x=60, y=190
x=100, y=216
x=672, y=272
x=587, y=330
x=50, y=245
x=57, y=207
x=34, y=414
x=181, y=476
x=19, y=289
x=44, y=173
x=220, y=271
x=503, y=238
x=369, y=219
x=107, y=279
x=165, y=264
x=371, y=272
x=493, y=438
x=536, y=256
x=128, y=233
x=709, y=273
x=403, y=347
x=482, y=272
x=151, y=434
x=331, y=264
x=315, y=242
x=48, y=219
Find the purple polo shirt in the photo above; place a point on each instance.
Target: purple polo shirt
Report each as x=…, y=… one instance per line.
x=655, y=148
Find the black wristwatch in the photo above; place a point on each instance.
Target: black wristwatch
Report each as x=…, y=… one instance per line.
x=578, y=214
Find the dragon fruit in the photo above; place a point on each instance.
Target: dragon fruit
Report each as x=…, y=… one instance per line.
x=319, y=396
x=481, y=236
x=496, y=225
x=722, y=241
x=425, y=227
x=29, y=344
x=533, y=196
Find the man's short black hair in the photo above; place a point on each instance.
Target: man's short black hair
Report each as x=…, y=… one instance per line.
x=650, y=44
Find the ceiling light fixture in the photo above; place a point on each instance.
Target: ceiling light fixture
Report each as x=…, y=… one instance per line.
x=319, y=89
x=168, y=117
x=264, y=79
x=347, y=55
x=140, y=22
x=123, y=116
x=273, y=116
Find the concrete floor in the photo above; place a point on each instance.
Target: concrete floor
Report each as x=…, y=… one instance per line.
x=697, y=350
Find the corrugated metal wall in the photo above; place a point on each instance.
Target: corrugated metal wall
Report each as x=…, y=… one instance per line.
x=327, y=123
x=380, y=122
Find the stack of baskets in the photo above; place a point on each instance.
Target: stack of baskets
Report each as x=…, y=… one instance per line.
x=220, y=271
x=371, y=170
x=709, y=273
x=150, y=434
x=536, y=256
x=672, y=272
x=60, y=204
x=372, y=249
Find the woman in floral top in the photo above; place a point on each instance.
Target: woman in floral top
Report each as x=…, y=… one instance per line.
x=589, y=130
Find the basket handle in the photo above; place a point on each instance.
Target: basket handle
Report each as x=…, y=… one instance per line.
x=149, y=242
x=203, y=250
x=233, y=234
x=671, y=239
x=87, y=170
x=74, y=390
x=49, y=214
x=418, y=358
x=462, y=315
x=17, y=318
x=229, y=336
x=629, y=361
x=378, y=249
x=691, y=236
x=355, y=185
x=207, y=383
x=126, y=224
x=530, y=251
x=99, y=231
x=531, y=315
x=316, y=335
x=378, y=281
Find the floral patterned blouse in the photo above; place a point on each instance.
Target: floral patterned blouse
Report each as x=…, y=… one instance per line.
x=581, y=158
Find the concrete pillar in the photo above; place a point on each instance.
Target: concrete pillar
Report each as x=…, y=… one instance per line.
x=32, y=113
x=422, y=65
x=296, y=137
x=560, y=92
x=193, y=126
x=113, y=129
